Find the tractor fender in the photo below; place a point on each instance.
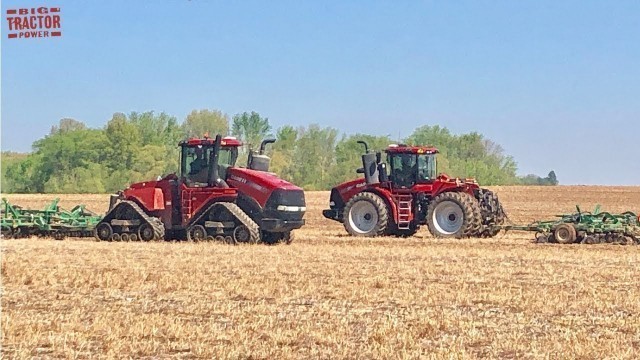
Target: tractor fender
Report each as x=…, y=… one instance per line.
x=386, y=196
x=150, y=199
x=441, y=187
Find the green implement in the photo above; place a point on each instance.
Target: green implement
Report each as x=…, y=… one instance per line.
x=586, y=228
x=53, y=221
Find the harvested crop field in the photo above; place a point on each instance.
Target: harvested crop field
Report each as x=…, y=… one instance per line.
x=328, y=295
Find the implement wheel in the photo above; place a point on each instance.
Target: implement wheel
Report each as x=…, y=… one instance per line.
x=565, y=234
x=7, y=232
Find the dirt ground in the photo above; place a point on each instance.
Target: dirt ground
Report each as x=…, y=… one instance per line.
x=328, y=295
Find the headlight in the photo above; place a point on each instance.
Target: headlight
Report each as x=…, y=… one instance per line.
x=291, y=208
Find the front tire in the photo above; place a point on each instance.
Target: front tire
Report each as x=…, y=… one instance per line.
x=366, y=215
x=454, y=215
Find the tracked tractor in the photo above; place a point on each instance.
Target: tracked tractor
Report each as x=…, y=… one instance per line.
x=396, y=197
x=210, y=199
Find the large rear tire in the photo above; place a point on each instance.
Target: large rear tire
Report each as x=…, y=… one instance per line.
x=366, y=215
x=454, y=215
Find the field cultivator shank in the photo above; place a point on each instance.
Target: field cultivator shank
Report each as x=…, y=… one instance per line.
x=53, y=221
x=586, y=228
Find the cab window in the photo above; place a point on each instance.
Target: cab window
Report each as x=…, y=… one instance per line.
x=426, y=167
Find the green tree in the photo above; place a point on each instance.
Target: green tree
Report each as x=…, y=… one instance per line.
x=348, y=154
x=160, y=129
x=468, y=155
x=200, y=122
x=68, y=124
x=11, y=162
x=124, y=139
x=314, y=157
x=250, y=128
x=282, y=152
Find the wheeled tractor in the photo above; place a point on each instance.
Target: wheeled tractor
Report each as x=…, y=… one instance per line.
x=397, y=196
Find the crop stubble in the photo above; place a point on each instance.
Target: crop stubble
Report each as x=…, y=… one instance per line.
x=329, y=295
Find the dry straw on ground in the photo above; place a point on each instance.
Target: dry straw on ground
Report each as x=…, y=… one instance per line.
x=328, y=295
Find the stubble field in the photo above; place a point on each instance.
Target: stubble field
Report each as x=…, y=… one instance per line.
x=328, y=295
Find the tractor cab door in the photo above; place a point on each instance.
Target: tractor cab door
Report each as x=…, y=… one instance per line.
x=404, y=170
x=195, y=165
x=426, y=168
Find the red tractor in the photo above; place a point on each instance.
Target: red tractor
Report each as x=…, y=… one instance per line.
x=211, y=199
x=397, y=203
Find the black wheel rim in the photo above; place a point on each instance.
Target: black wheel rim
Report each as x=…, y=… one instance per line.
x=146, y=232
x=104, y=232
x=241, y=234
x=198, y=233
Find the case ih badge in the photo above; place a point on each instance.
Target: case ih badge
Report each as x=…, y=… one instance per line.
x=38, y=22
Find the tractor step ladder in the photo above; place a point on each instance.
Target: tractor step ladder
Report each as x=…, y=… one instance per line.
x=186, y=205
x=403, y=202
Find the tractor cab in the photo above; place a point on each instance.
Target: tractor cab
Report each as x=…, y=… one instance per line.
x=200, y=167
x=410, y=165
x=204, y=162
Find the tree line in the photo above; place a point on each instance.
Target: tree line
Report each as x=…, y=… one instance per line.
x=74, y=158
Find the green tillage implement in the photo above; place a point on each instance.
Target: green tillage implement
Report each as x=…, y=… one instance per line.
x=17, y=222
x=586, y=228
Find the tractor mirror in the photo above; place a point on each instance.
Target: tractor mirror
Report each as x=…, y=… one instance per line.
x=370, y=167
x=360, y=171
x=382, y=172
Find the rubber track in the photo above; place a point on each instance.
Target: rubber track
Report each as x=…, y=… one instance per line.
x=254, y=230
x=156, y=224
x=235, y=210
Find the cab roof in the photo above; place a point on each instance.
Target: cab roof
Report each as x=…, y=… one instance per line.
x=406, y=149
x=228, y=141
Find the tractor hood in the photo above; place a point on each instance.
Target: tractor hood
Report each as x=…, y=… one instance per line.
x=260, y=185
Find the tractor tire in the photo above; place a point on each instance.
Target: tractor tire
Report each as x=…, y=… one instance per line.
x=366, y=215
x=454, y=215
x=565, y=234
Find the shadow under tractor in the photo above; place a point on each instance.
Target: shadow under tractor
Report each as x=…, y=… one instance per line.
x=398, y=202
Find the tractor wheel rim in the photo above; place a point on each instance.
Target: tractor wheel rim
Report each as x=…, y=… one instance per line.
x=241, y=234
x=104, y=233
x=147, y=233
x=363, y=217
x=448, y=217
x=198, y=234
x=562, y=234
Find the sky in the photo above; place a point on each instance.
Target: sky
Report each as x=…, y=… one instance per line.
x=555, y=83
